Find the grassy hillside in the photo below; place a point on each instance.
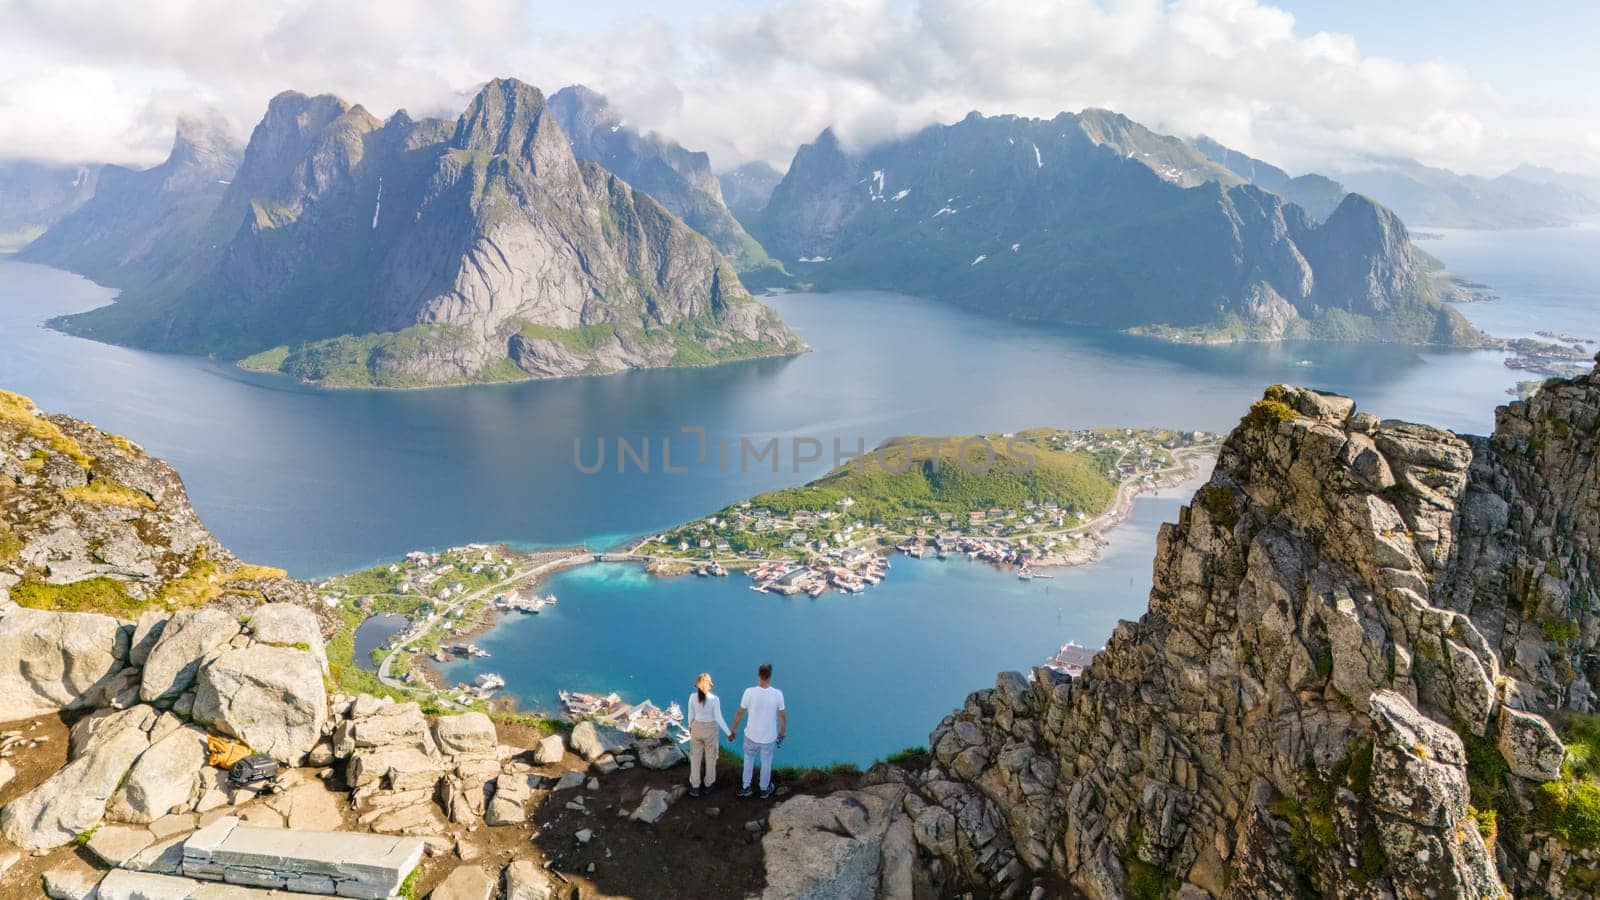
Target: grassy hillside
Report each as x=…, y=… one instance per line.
x=918, y=476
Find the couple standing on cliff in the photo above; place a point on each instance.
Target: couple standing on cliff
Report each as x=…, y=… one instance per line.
x=763, y=703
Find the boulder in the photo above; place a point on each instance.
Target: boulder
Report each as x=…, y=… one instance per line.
x=652, y=807
x=288, y=625
x=509, y=805
x=471, y=732
x=592, y=741
x=394, y=768
x=146, y=632
x=551, y=749
x=664, y=755
x=178, y=652
x=7, y=772
x=165, y=776
x=526, y=880
x=389, y=725
x=73, y=800
x=1530, y=746
x=466, y=883
x=834, y=846
x=55, y=660
x=272, y=698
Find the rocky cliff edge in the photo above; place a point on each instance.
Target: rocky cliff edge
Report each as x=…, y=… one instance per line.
x=1366, y=671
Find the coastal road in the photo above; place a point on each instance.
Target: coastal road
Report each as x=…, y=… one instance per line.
x=428, y=624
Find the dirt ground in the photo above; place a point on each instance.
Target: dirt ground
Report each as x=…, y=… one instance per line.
x=34, y=765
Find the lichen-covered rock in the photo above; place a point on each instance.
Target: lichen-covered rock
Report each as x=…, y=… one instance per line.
x=91, y=523
x=272, y=698
x=1420, y=800
x=1529, y=745
x=55, y=660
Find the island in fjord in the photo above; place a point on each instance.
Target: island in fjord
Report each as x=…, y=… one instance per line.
x=354, y=252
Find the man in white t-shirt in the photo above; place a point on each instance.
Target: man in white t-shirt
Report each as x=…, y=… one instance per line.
x=768, y=724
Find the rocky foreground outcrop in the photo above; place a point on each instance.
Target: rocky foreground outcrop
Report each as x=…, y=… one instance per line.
x=1364, y=639
x=140, y=753
x=90, y=524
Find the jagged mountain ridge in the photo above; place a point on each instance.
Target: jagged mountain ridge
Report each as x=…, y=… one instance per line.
x=1093, y=219
x=1427, y=195
x=747, y=189
x=1317, y=194
x=36, y=195
x=680, y=179
x=1366, y=644
x=412, y=252
x=139, y=225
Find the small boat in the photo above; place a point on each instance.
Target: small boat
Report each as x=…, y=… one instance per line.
x=1025, y=573
x=816, y=590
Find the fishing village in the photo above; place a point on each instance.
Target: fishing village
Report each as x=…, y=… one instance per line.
x=1044, y=498
x=837, y=534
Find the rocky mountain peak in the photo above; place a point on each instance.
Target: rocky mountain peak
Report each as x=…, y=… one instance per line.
x=292, y=126
x=206, y=140
x=582, y=104
x=508, y=117
x=1365, y=254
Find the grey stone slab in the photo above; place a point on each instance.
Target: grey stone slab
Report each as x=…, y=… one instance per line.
x=331, y=862
x=163, y=858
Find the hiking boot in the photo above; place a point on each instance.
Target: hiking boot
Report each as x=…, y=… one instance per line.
x=768, y=792
x=695, y=792
x=746, y=792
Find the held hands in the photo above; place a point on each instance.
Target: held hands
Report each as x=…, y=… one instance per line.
x=731, y=734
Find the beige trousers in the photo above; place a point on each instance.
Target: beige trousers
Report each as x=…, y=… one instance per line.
x=702, y=751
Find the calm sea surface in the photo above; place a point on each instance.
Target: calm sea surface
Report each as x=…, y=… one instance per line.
x=321, y=482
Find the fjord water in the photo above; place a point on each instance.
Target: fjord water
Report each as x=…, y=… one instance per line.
x=863, y=674
x=320, y=482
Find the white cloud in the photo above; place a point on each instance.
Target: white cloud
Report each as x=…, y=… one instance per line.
x=94, y=79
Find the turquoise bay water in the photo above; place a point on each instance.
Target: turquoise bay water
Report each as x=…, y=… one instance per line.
x=321, y=482
x=863, y=674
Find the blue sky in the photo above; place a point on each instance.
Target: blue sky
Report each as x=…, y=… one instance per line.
x=1474, y=86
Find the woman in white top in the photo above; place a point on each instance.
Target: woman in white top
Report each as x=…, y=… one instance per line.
x=705, y=725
